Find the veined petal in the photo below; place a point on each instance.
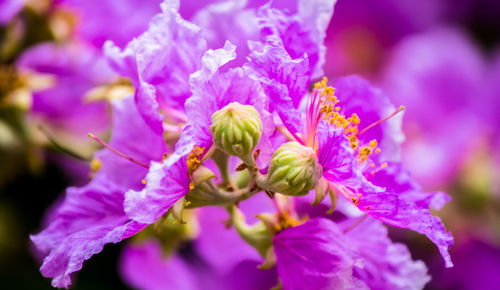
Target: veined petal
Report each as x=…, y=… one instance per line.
x=284, y=81
x=300, y=34
x=314, y=255
x=386, y=265
x=160, y=61
x=165, y=183
x=404, y=205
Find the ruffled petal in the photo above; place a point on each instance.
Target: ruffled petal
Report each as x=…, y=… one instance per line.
x=386, y=265
x=314, y=255
x=164, y=56
x=229, y=21
x=93, y=215
x=212, y=90
x=165, y=183
x=300, y=34
x=284, y=81
x=404, y=205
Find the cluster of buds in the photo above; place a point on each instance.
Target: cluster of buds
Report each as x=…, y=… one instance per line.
x=293, y=169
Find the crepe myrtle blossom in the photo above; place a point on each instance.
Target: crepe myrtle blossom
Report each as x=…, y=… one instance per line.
x=229, y=119
x=160, y=61
x=313, y=249
x=345, y=140
x=424, y=83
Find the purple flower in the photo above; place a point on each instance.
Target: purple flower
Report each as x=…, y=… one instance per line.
x=93, y=215
x=347, y=148
x=159, y=63
x=212, y=90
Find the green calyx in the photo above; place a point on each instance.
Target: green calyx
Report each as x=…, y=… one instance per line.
x=237, y=129
x=294, y=170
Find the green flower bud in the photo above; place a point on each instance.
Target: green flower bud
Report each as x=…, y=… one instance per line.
x=237, y=129
x=294, y=170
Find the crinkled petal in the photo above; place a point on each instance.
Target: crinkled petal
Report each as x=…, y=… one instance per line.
x=93, y=215
x=229, y=21
x=404, y=205
x=144, y=266
x=338, y=160
x=165, y=183
x=164, y=56
x=284, y=81
x=300, y=34
x=314, y=255
x=213, y=88
x=386, y=265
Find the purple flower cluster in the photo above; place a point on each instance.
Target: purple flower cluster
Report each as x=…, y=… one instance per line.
x=163, y=182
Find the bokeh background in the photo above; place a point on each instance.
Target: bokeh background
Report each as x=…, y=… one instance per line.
x=439, y=58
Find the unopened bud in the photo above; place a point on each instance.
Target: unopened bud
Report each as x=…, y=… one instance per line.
x=237, y=129
x=294, y=170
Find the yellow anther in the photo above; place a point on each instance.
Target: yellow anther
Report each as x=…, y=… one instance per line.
x=377, y=151
x=373, y=143
x=143, y=181
x=383, y=165
x=355, y=119
x=95, y=164
x=194, y=159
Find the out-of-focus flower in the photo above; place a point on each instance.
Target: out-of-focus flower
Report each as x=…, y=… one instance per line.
x=98, y=21
x=362, y=32
x=440, y=77
x=76, y=69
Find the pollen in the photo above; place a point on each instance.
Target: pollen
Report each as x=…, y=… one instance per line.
x=193, y=162
x=95, y=164
x=194, y=159
x=143, y=181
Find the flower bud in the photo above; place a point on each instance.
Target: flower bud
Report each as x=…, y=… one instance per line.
x=294, y=170
x=237, y=129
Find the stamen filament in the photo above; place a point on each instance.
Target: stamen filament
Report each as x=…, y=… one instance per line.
x=98, y=140
x=381, y=120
